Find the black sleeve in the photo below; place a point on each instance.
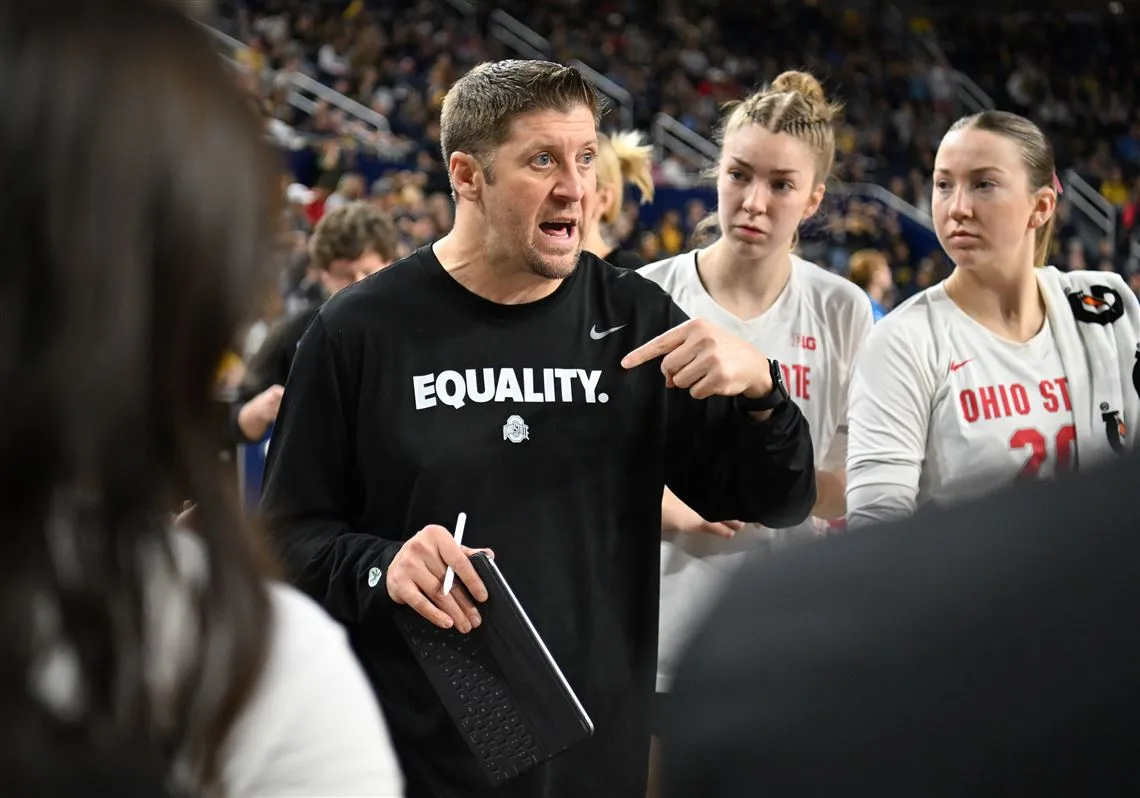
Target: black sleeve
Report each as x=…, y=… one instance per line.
x=269, y=366
x=311, y=488
x=270, y=363
x=727, y=466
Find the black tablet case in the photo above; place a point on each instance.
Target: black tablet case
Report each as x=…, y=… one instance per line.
x=499, y=683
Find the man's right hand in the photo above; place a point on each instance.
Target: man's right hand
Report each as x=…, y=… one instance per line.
x=415, y=578
x=259, y=412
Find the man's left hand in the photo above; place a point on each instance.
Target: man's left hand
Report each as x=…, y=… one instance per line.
x=706, y=360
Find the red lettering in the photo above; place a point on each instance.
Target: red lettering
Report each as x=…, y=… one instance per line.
x=1007, y=411
x=1048, y=392
x=1020, y=398
x=1063, y=383
x=989, y=402
x=969, y=403
x=803, y=341
x=995, y=401
x=803, y=380
x=809, y=343
x=1033, y=440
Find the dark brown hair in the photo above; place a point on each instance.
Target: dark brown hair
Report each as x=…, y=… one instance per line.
x=134, y=227
x=478, y=109
x=351, y=230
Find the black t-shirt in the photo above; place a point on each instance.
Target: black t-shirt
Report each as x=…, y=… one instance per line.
x=624, y=258
x=270, y=365
x=412, y=399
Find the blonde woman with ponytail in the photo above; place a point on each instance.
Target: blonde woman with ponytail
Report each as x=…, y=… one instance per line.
x=1005, y=370
x=622, y=159
x=777, y=150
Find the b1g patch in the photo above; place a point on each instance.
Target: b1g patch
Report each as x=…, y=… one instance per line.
x=1098, y=304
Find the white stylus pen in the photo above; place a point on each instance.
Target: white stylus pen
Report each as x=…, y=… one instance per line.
x=449, y=575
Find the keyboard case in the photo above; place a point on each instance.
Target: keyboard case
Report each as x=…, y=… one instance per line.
x=499, y=683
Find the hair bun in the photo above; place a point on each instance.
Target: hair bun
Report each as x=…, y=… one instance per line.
x=800, y=82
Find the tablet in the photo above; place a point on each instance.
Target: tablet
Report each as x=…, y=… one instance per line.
x=507, y=696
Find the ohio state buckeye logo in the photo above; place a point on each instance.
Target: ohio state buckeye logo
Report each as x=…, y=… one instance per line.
x=1097, y=305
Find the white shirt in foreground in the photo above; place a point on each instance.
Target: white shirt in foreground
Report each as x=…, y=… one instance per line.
x=311, y=728
x=943, y=409
x=814, y=329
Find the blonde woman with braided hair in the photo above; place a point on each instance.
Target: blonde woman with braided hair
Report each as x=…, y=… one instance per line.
x=621, y=160
x=777, y=150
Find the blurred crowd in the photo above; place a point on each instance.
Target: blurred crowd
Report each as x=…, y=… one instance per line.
x=398, y=60
x=1073, y=77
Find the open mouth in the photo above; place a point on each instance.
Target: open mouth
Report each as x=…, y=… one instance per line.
x=562, y=230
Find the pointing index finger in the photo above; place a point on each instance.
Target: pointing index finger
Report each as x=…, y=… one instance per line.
x=663, y=344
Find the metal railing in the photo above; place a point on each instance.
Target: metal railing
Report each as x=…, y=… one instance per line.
x=970, y=95
x=521, y=38
x=1091, y=203
x=667, y=133
x=622, y=100
x=893, y=201
x=351, y=107
x=304, y=92
x=528, y=43
x=464, y=8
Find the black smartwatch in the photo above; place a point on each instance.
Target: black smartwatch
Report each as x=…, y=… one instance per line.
x=775, y=397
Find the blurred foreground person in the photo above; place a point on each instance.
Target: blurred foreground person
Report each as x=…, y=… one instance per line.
x=135, y=219
x=986, y=650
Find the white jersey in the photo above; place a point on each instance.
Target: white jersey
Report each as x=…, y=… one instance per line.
x=943, y=409
x=311, y=725
x=814, y=329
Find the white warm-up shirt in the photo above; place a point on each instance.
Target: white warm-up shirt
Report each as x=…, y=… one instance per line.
x=943, y=409
x=814, y=329
x=312, y=725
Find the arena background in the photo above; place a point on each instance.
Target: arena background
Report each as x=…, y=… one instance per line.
x=350, y=93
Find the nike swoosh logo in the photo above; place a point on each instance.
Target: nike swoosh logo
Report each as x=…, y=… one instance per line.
x=959, y=364
x=597, y=336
